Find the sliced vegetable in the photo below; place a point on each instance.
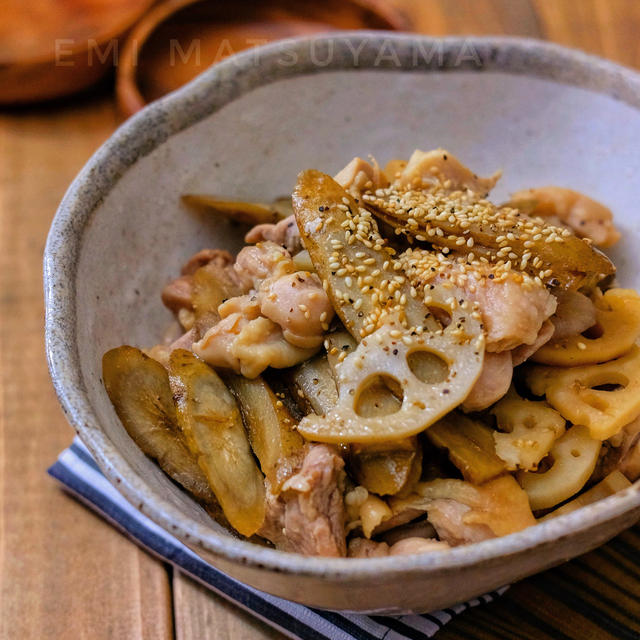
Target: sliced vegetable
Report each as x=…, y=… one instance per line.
x=555, y=254
x=371, y=296
x=244, y=212
x=470, y=446
x=614, y=482
x=314, y=386
x=527, y=431
x=604, y=397
x=616, y=330
x=211, y=423
x=211, y=287
x=138, y=388
x=389, y=468
x=574, y=457
x=271, y=428
x=384, y=469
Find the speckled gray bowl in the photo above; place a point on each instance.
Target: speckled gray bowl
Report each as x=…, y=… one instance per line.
x=245, y=128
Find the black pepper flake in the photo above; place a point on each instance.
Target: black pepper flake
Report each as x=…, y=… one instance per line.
x=491, y=276
x=395, y=352
x=445, y=391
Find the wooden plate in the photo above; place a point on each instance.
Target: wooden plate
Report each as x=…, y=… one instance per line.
x=49, y=48
x=180, y=38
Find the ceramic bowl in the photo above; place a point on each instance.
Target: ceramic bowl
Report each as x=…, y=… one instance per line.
x=245, y=128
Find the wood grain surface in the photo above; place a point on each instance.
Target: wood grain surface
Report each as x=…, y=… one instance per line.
x=64, y=573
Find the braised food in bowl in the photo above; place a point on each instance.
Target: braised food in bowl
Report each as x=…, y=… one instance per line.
x=393, y=363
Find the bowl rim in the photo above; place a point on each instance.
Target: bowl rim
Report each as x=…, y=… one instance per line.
x=204, y=95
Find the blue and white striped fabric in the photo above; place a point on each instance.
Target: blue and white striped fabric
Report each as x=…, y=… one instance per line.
x=78, y=472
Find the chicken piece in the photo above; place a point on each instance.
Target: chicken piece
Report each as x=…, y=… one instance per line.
x=447, y=516
x=525, y=351
x=183, y=342
x=178, y=294
x=512, y=314
x=462, y=512
x=421, y=528
x=248, y=345
x=363, y=548
x=574, y=314
x=307, y=516
x=417, y=545
x=513, y=305
x=217, y=257
x=284, y=233
x=264, y=260
x=427, y=167
x=281, y=322
x=359, y=175
x=586, y=217
x=299, y=304
x=493, y=383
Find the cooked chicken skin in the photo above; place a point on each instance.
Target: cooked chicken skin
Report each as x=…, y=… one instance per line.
x=585, y=216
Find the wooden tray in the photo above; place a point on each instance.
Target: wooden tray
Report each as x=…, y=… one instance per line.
x=180, y=38
x=49, y=48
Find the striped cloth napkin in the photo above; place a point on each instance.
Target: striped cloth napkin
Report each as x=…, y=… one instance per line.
x=78, y=472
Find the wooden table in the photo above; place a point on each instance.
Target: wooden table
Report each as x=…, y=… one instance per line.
x=64, y=573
